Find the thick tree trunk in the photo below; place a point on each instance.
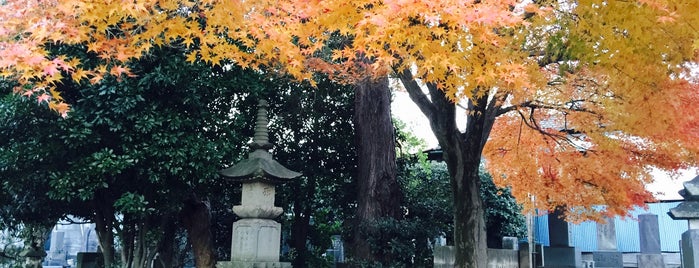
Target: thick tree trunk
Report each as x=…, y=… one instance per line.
x=196, y=218
x=463, y=162
x=378, y=191
x=469, y=215
x=462, y=154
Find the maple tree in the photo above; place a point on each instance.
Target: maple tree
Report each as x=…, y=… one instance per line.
x=569, y=102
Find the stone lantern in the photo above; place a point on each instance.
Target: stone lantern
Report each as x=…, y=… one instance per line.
x=689, y=210
x=256, y=236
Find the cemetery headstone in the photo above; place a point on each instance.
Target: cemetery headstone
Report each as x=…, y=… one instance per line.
x=689, y=210
x=531, y=257
x=56, y=255
x=337, y=252
x=649, y=232
x=607, y=255
x=509, y=242
x=502, y=258
x=560, y=233
x=444, y=256
x=560, y=254
x=257, y=236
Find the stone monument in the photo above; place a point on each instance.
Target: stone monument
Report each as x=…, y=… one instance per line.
x=607, y=254
x=444, y=256
x=649, y=232
x=256, y=236
x=560, y=254
x=689, y=210
x=33, y=256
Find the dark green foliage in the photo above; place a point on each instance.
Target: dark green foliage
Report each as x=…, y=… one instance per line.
x=28, y=152
x=428, y=215
x=138, y=146
x=313, y=133
x=503, y=215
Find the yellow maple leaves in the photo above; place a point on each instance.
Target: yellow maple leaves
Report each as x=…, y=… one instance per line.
x=624, y=58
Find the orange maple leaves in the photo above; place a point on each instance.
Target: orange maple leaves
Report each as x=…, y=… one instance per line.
x=627, y=58
x=439, y=37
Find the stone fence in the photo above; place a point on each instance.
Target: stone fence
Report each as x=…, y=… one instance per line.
x=497, y=258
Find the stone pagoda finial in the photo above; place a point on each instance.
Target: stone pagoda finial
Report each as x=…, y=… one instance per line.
x=261, y=138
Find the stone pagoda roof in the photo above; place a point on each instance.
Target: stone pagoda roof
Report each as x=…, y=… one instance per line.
x=689, y=209
x=260, y=166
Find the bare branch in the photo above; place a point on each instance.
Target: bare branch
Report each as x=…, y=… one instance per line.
x=567, y=107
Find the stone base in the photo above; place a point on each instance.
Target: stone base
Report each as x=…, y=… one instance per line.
x=256, y=241
x=608, y=259
x=562, y=257
x=650, y=261
x=251, y=264
x=690, y=248
x=503, y=258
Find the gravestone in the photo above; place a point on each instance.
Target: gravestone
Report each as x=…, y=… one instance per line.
x=56, y=255
x=502, y=258
x=560, y=254
x=337, y=252
x=256, y=236
x=689, y=210
x=607, y=255
x=649, y=232
x=509, y=242
x=531, y=258
x=444, y=257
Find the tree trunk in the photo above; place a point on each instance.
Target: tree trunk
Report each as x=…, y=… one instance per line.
x=462, y=154
x=166, y=245
x=196, y=218
x=299, y=229
x=469, y=215
x=104, y=223
x=378, y=191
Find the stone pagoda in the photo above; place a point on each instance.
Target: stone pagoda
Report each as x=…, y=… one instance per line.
x=257, y=236
x=689, y=210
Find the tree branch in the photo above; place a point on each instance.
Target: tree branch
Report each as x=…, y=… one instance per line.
x=539, y=105
x=416, y=94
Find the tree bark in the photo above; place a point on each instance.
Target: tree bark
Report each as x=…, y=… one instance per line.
x=196, y=218
x=299, y=229
x=104, y=224
x=166, y=245
x=379, y=194
x=462, y=154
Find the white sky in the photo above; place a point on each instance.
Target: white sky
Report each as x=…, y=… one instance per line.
x=665, y=187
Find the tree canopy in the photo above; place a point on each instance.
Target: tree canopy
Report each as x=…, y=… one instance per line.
x=569, y=101
x=594, y=67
